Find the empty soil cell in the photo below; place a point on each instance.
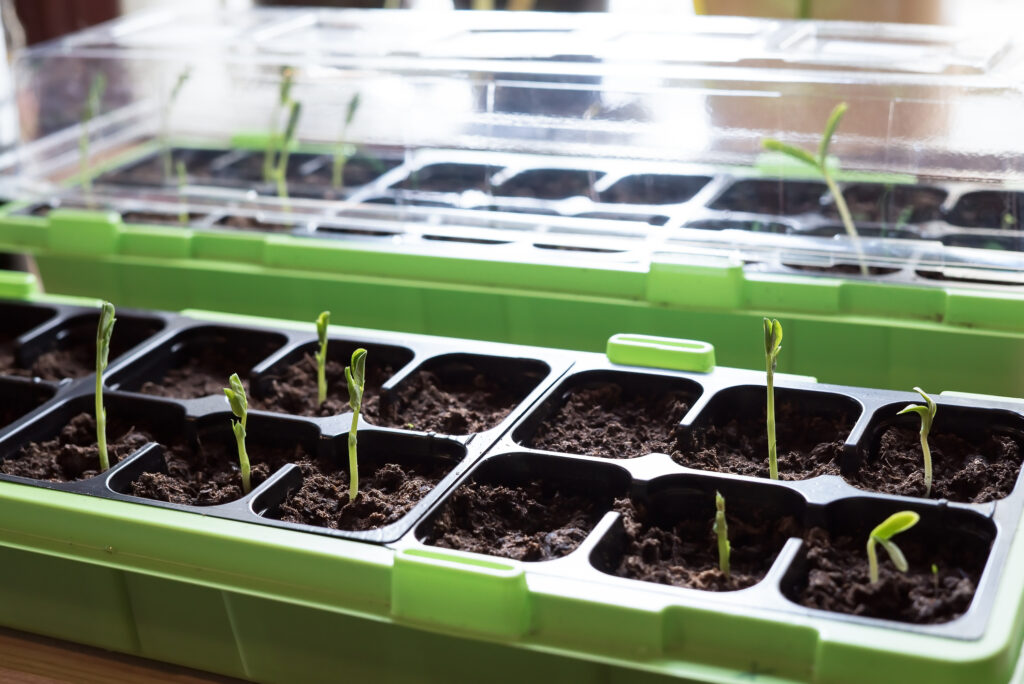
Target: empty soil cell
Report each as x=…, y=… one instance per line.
x=971, y=471
x=211, y=475
x=17, y=400
x=153, y=170
x=453, y=397
x=530, y=522
x=550, y=184
x=206, y=365
x=988, y=209
x=771, y=197
x=15, y=321
x=614, y=421
x=448, y=178
x=250, y=223
x=73, y=454
x=386, y=493
x=894, y=204
x=71, y=353
x=843, y=269
x=162, y=219
x=810, y=439
x=684, y=553
x=654, y=188
x=837, y=578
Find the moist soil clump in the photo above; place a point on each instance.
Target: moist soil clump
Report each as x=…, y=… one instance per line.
x=614, y=422
x=808, y=445
x=389, y=492
x=428, y=402
x=968, y=472
x=210, y=475
x=294, y=388
x=73, y=454
x=206, y=371
x=686, y=554
x=837, y=580
x=532, y=522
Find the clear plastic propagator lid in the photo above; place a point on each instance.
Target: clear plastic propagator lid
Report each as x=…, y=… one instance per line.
x=614, y=139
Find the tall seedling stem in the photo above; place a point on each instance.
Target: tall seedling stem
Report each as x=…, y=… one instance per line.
x=322, y=321
x=927, y=415
x=182, y=182
x=165, y=119
x=235, y=393
x=281, y=170
x=103, y=332
x=883, y=534
x=93, y=102
x=355, y=376
x=772, y=345
x=341, y=151
x=721, y=529
x=820, y=163
x=284, y=96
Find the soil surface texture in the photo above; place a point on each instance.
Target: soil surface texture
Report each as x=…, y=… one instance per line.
x=534, y=522
x=969, y=472
x=293, y=389
x=877, y=203
x=73, y=454
x=250, y=223
x=386, y=493
x=845, y=269
x=808, y=445
x=211, y=475
x=207, y=369
x=686, y=555
x=153, y=217
x=611, y=421
x=550, y=184
x=428, y=402
x=772, y=197
x=837, y=580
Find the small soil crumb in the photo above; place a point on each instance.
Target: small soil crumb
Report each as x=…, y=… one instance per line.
x=535, y=522
x=961, y=471
x=427, y=402
x=207, y=370
x=73, y=454
x=388, y=494
x=809, y=445
x=613, y=422
x=211, y=475
x=293, y=389
x=687, y=554
x=837, y=580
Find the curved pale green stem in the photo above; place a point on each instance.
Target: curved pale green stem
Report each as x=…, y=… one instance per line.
x=104, y=330
x=243, y=455
x=772, y=346
x=353, y=458
x=355, y=376
x=883, y=534
x=722, y=530
x=322, y=321
x=847, y=219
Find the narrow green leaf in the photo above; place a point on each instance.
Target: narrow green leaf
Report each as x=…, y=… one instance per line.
x=895, y=555
x=104, y=331
x=894, y=524
x=353, y=106
x=322, y=321
x=790, y=151
x=772, y=337
x=830, y=128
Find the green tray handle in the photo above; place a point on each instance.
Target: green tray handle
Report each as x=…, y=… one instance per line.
x=661, y=352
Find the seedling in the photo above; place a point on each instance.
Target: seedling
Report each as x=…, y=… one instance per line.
x=355, y=376
x=103, y=333
x=182, y=182
x=322, y=321
x=935, y=577
x=722, y=530
x=927, y=414
x=772, y=345
x=281, y=169
x=343, y=150
x=165, y=116
x=883, y=534
x=283, y=98
x=92, y=107
x=820, y=164
x=235, y=393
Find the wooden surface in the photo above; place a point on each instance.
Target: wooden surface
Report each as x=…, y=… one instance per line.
x=30, y=659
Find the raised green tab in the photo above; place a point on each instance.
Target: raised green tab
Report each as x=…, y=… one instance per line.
x=661, y=352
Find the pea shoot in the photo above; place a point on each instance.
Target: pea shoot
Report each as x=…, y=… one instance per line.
x=322, y=321
x=927, y=415
x=772, y=346
x=721, y=529
x=343, y=150
x=355, y=376
x=93, y=102
x=235, y=393
x=103, y=332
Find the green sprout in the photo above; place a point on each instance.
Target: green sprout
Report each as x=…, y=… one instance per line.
x=182, y=182
x=322, y=321
x=281, y=169
x=883, y=534
x=103, y=333
x=165, y=116
x=355, y=376
x=93, y=102
x=772, y=345
x=820, y=164
x=722, y=530
x=935, y=577
x=235, y=393
x=343, y=150
x=927, y=414
x=283, y=98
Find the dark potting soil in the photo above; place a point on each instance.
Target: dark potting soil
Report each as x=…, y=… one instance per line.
x=654, y=188
x=808, y=445
x=845, y=269
x=969, y=472
x=250, y=223
x=427, y=402
x=73, y=454
x=893, y=204
x=837, y=580
x=448, y=177
x=772, y=197
x=385, y=494
x=152, y=217
x=686, y=555
x=551, y=184
x=534, y=522
x=614, y=422
x=211, y=475
x=293, y=389
x=988, y=209
x=207, y=370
